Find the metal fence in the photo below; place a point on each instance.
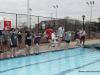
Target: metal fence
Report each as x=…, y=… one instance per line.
x=35, y=23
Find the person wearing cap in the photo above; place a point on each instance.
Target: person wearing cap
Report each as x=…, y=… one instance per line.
x=19, y=37
x=5, y=38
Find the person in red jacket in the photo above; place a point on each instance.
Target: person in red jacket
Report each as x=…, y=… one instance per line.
x=48, y=34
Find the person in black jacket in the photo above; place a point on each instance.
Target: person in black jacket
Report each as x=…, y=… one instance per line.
x=28, y=41
x=19, y=38
x=77, y=37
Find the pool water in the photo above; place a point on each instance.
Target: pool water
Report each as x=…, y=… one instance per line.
x=79, y=61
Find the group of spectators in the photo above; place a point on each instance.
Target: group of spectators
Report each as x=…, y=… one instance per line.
x=15, y=39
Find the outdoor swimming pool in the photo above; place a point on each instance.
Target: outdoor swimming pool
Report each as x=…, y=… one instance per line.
x=80, y=61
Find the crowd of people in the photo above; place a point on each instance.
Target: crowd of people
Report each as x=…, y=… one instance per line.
x=15, y=39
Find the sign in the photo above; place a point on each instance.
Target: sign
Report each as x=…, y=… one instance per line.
x=1, y=25
x=43, y=25
x=5, y=24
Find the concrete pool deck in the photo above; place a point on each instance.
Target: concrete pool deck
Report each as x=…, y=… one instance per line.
x=43, y=49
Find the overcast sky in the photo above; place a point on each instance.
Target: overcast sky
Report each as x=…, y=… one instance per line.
x=72, y=8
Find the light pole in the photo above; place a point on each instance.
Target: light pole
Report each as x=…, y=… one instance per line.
x=28, y=13
x=83, y=20
x=51, y=17
x=54, y=25
x=19, y=20
x=91, y=3
x=56, y=7
x=30, y=17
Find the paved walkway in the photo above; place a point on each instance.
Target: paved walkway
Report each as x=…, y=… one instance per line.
x=43, y=49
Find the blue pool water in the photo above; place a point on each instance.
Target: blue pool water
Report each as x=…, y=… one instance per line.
x=69, y=62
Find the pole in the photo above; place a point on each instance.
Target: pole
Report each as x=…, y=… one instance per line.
x=38, y=24
x=65, y=25
x=83, y=23
x=16, y=20
x=90, y=21
x=30, y=20
x=19, y=20
x=91, y=14
x=28, y=13
x=51, y=17
x=54, y=25
x=75, y=24
x=56, y=18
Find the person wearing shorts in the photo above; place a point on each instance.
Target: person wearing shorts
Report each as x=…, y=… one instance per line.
x=19, y=38
x=28, y=41
x=14, y=42
x=10, y=33
x=77, y=37
x=67, y=39
x=48, y=34
x=82, y=32
x=60, y=35
x=37, y=41
x=5, y=38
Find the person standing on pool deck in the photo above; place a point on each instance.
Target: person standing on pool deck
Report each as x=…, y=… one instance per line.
x=37, y=41
x=77, y=37
x=60, y=35
x=82, y=32
x=14, y=42
x=19, y=38
x=48, y=34
x=10, y=33
x=5, y=38
x=67, y=39
x=28, y=41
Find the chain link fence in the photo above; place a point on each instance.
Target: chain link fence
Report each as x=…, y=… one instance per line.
x=35, y=23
